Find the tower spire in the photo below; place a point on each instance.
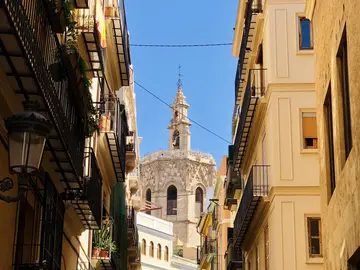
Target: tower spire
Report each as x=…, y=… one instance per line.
x=179, y=83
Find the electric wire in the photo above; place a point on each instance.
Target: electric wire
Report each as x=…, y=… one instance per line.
x=181, y=45
x=192, y=120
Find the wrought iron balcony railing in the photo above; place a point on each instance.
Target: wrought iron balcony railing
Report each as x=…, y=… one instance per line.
x=113, y=122
x=208, y=247
x=215, y=217
x=254, y=7
x=255, y=89
x=27, y=22
x=232, y=183
x=257, y=187
x=234, y=258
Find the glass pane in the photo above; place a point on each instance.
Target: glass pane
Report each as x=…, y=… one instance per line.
x=314, y=227
x=315, y=246
x=18, y=150
x=305, y=34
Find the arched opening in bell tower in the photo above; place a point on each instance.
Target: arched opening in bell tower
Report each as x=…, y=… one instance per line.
x=199, y=201
x=172, y=200
x=176, y=139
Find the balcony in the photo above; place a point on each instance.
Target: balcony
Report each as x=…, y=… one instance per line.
x=87, y=201
x=113, y=123
x=234, y=258
x=121, y=37
x=134, y=248
x=257, y=187
x=255, y=89
x=26, y=64
x=215, y=217
x=131, y=226
x=254, y=7
x=232, y=183
x=133, y=182
x=130, y=152
x=207, y=252
x=91, y=25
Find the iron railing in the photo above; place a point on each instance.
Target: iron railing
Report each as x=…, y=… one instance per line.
x=208, y=247
x=130, y=142
x=93, y=189
x=39, y=227
x=131, y=216
x=124, y=31
x=253, y=7
x=257, y=186
x=215, y=217
x=255, y=89
x=234, y=258
x=31, y=23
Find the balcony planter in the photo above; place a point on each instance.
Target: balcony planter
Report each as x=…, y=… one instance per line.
x=95, y=252
x=56, y=14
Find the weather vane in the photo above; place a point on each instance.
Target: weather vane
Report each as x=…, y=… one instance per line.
x=179, y=83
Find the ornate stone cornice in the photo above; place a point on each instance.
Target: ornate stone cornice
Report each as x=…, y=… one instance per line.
x=177, y=155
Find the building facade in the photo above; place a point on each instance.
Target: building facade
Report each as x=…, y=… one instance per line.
x=274, y=157
x=336, y=40
x=156, y=240
x=177, y=178
x=70, y=76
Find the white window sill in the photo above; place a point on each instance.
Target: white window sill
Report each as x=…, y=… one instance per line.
x=309, y=151
x=305, y=52
x=315, y=260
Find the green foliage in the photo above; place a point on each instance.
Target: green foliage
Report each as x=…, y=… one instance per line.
x=234, y=122
x=102, y=238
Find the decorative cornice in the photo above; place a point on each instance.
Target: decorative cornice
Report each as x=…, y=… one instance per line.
x=178, y=154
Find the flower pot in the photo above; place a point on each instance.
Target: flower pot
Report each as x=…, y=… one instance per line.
x=104, y=254
x=57, y=72
x=109, y=11
x=95, y=252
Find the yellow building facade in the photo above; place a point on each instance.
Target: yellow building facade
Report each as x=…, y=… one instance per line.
x=73, y=75
x=336, y=42
x=272, y=185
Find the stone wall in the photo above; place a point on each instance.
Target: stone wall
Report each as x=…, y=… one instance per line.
x=341, y=211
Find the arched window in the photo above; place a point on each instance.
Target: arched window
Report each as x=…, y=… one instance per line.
x=171, y=200
x=166, y=255
x=151, y=249
x=159, y=252
x=199, y=200
x=148, y=198
x=176, y=139
x=143, y=247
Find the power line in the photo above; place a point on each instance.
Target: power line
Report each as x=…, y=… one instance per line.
x=181, y=45
x=192, y=120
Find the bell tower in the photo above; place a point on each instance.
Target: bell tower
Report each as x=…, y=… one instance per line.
x=179, y=124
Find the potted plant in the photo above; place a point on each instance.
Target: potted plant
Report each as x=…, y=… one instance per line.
x=102, y=242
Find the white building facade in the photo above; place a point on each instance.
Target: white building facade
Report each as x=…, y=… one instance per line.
x=156, y=241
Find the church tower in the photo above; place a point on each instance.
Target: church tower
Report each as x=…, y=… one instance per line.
x=179, y=124
x=174, y=181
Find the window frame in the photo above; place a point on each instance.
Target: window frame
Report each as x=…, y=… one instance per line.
x=313, y=258
x=329, y=137
x=301, y=49
x=305, y=150
x=343, y=68
x=159, y=252
x=166, y=255
x=151, y=249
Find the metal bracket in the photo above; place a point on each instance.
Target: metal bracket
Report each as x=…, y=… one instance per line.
x=6, y=184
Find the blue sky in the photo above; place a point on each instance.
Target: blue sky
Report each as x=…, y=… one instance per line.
x=209, y=72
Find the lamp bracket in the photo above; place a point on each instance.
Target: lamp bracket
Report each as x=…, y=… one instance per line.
x=6, y=184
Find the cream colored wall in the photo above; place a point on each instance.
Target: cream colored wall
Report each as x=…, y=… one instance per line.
x=282, y=58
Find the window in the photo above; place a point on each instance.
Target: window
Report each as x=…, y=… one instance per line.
x=151, y=249
x=159, y=252
x=171, y=200
x=329, y=138
x=166, y=255
x=309, y=130
x=199, y=199
x=314, y=236
x=305, y=34
x=345, y=93
x=143, y=247
x=354, y=261
x=267, y=248
x=257, y=251
x=148, y=198
x=176, y=139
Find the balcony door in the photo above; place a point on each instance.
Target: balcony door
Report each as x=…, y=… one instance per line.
x=264, y=168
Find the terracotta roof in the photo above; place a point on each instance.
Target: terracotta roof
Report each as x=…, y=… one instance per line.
x=222, y=169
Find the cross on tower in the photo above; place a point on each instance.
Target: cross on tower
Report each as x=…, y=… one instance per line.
x=179, y=83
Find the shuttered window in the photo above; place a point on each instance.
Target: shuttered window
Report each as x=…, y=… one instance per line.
x=309, y=128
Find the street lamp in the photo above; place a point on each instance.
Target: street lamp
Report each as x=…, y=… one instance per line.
x=27, y=133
